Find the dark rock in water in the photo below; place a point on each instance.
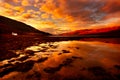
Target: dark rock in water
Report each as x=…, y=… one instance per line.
x=6, y=65
x=35, y=75
x=74, y=78
x=52, y=50
x=65, y=51
x=44, y=47
x=44, y=50
x=98, y=71
x=77, y=48
x=42, y=59
x=101, y=74
x=117, y=76
x=52, y=69
x=59, y=53
x=75, y=57
x=83, y=68
x=53, y=46
x=24, y=67
x=29, y=52
x=7, y=55
x=6, y=71
x=20, y=67
x=117, y=67
x=67, y=62
x=23, y=58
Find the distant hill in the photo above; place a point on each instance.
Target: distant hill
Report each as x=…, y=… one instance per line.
x=109, y=31
x=8, y=25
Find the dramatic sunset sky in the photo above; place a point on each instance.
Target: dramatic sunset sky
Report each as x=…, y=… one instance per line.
x=59, y=16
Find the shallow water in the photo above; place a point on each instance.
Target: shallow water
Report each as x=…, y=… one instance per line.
x=68, y=59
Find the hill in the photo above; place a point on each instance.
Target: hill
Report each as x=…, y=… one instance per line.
x=109, y=31
x=8, y=25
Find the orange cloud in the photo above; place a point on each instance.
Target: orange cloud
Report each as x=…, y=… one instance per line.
x=36, y=1
x=16, y=1
x=9, y=12
x=9, y=1
x=71, y=10
x=85, y=12
x=112, y=9
x=27, y=15
x=50, y=8
x=19, y=9
x=65, y=14
x=6, y=5
x=44, y=16
x=25, y=3
x=112, y=6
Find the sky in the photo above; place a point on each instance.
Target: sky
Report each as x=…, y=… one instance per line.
x=60, y=16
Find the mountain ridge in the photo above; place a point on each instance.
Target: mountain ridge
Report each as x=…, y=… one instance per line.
x=109, y=31
x=8, y=25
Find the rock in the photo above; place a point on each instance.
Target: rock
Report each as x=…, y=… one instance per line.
x=59, y=53
x=35, y=75
x=44, y=47
x=23, y=58
x=75, y=57
x=67, y=62
x=43, y=50
x=6, y=71
x=6, y=65
x=65, y=51
x=98, y=71
x=20, y=67
x=53, y=46
x=101, y=74
x=117, y=76
x=77, y=48
x=23, y=67
x=29, y=52
x=7, y=55
x=52, y=69
x=117, y=67
x=42, y=59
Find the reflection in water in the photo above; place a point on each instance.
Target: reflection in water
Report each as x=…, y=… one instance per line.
x=71, y=59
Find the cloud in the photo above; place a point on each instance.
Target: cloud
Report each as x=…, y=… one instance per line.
x=9, y=12
x=27, y=15
x=71, y=10
x=16, y=1
x=9, y=1
x=62, y=15
x=50, y=30
x=112, y=6
x=19, y=9
x=112, y=9
x=25, y=3
x=44, y=16
x=7, y=5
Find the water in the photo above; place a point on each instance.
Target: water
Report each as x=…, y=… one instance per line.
x=74, y=57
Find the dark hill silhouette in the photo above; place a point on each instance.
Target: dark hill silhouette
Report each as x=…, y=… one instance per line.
x=8, y=25
x=109, y=31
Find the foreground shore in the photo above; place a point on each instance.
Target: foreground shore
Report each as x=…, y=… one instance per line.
x=63, y=60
